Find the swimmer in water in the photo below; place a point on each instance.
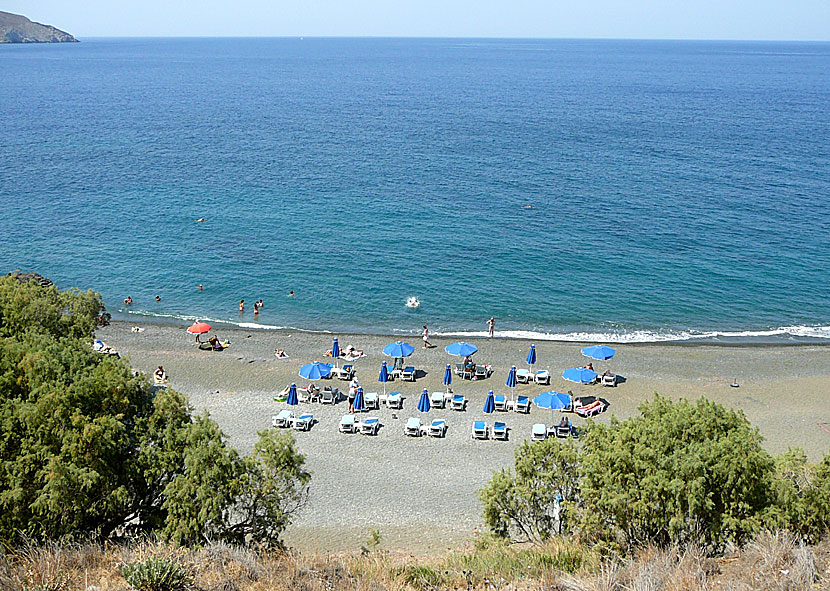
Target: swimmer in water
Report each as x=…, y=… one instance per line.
x=201, y=220
x=158, y=298
x=200, y=287
x=291, y=293
x=128, y=300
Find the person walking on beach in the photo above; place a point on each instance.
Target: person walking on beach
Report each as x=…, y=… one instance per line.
x=491, y=326
x=425, y=335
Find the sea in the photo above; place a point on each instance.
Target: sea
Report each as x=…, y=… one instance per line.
x=578, y=190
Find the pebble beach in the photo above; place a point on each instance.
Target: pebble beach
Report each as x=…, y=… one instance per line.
x=421, y=493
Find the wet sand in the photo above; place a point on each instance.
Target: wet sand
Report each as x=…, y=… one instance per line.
x=421, y=493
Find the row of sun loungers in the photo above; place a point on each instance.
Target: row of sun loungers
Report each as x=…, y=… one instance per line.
x=286, y=418
x=540, y=431
x=368, y=426
x=525, y=376
x=480, y=372
x=482, y=431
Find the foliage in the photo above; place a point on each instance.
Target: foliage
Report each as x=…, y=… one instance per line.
x=802, y=496
x=524, y=503
x=157, y=574
x=678, y=473
x=88, y=448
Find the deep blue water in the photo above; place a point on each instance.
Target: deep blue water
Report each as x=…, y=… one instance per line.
x=675, y=186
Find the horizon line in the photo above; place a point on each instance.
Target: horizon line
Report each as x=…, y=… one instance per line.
x=450, y=37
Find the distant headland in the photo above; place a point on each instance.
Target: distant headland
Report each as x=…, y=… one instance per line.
x=15, y=28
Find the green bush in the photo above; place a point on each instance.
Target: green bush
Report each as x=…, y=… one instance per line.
x=157, y=574
x=421, y=577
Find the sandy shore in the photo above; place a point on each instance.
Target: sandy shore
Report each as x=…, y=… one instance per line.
x=421, y=493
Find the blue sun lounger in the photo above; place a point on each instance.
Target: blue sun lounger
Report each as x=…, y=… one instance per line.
x=408, y=374
x=500, y=431
x=303, y=422
x=500, y=402
x=480, y=430
x=458, y=402
x=438, y=428
x=283, y=419
x=370, y=426
x=523, y=404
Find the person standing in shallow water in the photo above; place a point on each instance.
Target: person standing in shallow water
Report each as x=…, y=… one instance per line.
x=491, y=326
x=241, y=306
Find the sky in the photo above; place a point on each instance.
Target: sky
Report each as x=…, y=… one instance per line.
x=804, y=20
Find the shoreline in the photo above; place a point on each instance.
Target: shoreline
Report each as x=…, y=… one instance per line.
x=421, y=493
x=171, y=320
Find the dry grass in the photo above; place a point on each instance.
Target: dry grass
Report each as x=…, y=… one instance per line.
x=772, y=562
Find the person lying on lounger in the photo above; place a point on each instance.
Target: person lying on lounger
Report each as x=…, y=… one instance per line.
x=280, y=353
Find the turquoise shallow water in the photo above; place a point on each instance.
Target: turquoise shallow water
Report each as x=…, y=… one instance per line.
x=678, y=189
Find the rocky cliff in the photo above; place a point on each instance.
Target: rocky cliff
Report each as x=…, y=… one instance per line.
x=18, y=29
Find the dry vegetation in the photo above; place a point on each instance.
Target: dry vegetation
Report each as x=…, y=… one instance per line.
x=774, y=562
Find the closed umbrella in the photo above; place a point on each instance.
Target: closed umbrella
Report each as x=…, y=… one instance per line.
x=489, y=403
x=423, y=403
x=383, y=376
x=335, y=351
x=448, y=377
x=291, y=399
x=358, y=403
x=531, y=356
x=511, y=380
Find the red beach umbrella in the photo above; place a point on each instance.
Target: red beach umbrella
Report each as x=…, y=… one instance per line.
x=199, y=328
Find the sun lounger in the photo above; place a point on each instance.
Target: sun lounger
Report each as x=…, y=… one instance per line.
x=408, y=374
x=370, y=426
x=563, y=430
x=327, y=397
x=539, y=432
x=394, y=400
x=302, y=395
x=283, y=419
x=371, y=401
x=347, y=424
x=344, y=373
x=438, y=400
x=463, y=372
x=524, y=376
x=480, y=430
x=500, y=431
x=542, y=377
x=609, y=380
x=523, y=404
x=303, y=422
x=438, y=428
x=458, y=402
x=413, y=427
x=596, y=407
x=483, y=371
x=500, y=402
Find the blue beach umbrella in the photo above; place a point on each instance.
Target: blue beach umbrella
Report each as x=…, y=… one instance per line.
x=291, y=399
x=335, y=351
x=580, y=375
x=383, y=376
x=398, y=349
x=358, y=403
x=511, y=380
x=552, y=400
x=600, y=352
x=448, y=377
x=315, y=370
x=423, y=403
x=489, y=403
x=461, y=349
x=531, y=356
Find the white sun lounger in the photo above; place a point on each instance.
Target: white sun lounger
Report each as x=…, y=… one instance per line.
x=480, y=430
x=563, y=430
x=303, y=422
x=609, y=380
x=413, y=427
x=408, y=374
x=302, y=395
x=458, y=402
x=347, y=424
x=542, y=377
x=344, y=373
x=371, y=401
x=524, y=376
x=483, y=371
x=500, y=431
x=539, y=432
x=500, y=402
x=370, y=426
x=438, y=428
x=394, y=400
x=438, y=400
x=523, y=404
x=283, y=419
